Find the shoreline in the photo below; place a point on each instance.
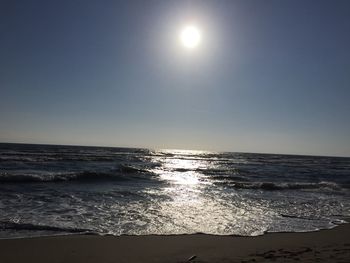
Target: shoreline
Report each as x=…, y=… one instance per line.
x=87, y=233
x=328, y=245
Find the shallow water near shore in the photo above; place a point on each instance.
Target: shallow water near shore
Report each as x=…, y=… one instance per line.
x=50, y=190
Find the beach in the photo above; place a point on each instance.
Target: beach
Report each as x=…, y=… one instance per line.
x=321, y=246
x=96, y=204
x=174, y=131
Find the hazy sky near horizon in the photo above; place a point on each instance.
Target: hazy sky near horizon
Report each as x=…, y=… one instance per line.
x=268, y=76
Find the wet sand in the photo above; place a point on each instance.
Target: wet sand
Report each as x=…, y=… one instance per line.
x=322, y=246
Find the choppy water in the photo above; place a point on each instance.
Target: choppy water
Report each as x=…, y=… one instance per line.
x=47, y=190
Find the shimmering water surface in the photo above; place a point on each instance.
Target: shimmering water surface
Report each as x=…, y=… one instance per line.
x=48, y=190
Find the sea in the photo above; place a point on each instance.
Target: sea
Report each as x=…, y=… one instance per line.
x=48, y=190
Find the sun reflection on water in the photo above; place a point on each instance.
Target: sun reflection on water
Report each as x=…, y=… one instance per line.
x=177, y=167
x=192, y=203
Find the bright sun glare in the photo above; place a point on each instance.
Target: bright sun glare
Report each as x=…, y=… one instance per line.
x=190, y=37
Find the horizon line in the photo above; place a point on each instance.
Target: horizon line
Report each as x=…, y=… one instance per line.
x=173, y=149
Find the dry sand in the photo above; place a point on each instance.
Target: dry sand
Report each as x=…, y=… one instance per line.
x=322, y=246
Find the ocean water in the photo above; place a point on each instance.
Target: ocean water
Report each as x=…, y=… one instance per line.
x=54, y=190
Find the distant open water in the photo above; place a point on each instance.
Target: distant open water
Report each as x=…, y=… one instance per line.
x=54, y=190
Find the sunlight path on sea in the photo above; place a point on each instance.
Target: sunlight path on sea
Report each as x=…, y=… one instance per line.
x=196, y=204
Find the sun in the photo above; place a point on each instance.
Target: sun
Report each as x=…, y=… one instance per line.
x=190, y=37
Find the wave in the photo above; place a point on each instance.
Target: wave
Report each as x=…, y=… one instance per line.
x=131, y=169
x=123, y=173
x=7, y=225
x=54, y=158
x=270, y=186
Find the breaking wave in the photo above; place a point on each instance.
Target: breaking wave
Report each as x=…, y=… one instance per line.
x=270, y=186
x=123, y=173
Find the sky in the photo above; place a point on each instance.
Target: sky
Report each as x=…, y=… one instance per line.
x=268, y=76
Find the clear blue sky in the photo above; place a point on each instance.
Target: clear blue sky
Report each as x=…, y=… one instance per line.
x=269, y=76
